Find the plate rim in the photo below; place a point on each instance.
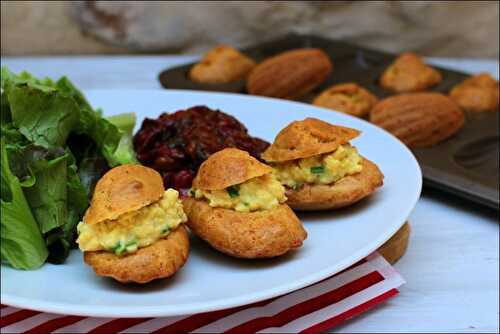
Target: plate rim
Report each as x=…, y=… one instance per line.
x=201, y=307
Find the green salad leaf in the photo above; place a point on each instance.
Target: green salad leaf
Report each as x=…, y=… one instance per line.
x=78, y=199
x=113, y=143
x=12, y=135
x=60, y=239
x=124, y=122
x=9, y=79
x=5, y=117
x=22, y=244
x=48, y=196
x=91, y=163
x=55, y=147
x=46, y=119
x=91, y=169
x=46, y=112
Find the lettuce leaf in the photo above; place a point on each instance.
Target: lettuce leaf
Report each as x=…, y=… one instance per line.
x=46, y=119
x=61, y=239
x=5, y=117
x=114, y=144
x=9, y=79
x=48, y=196
x=124, y=122
x=90, y=170
x=46, y=112
x=57, y=198
x=22, y=244
x=91, y=163
x=57, y=147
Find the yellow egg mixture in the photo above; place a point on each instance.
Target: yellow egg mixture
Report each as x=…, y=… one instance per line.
x=320, y=169
x=135, y=229
x=260, y=193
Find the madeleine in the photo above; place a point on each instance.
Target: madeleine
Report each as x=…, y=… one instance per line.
x=238, y=207
x=319, y=167
x=133, y=230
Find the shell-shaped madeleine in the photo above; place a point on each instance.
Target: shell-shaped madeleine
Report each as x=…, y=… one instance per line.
x=302, y=139
x=222, y=64
x=123, y=189
x=290, y=74
x=418, y=119
x=228, y=167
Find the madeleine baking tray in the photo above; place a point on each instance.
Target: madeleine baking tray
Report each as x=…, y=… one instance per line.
x=466, y=165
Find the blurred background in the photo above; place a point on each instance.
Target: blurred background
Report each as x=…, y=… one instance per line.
x=437, y=28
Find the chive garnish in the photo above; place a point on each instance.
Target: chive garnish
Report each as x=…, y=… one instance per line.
x=131, y=242
x=131, y=246
x=165, y=230
x=233, y=191
x=317, y=170
x=119, y=248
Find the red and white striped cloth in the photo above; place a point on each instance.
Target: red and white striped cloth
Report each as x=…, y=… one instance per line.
x=313, y=309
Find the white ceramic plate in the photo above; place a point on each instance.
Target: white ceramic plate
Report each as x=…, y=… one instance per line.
x=209, y=280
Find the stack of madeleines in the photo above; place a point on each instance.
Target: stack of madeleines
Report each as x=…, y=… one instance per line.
x=134, y=230
x=410, y=115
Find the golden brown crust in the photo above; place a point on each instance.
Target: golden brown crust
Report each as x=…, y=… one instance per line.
x=228, y=167
x=409, y=73
x=160, y=260
x=302, y=139
x=478, y=93
x=259, y=234
x=348, y=190
x=290, y=74
x=419, y=119
x=394, y=248
x=123, y=189
x=349, y=98
x=222, y=64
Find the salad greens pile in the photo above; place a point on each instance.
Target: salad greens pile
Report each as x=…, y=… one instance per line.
x=54, y=147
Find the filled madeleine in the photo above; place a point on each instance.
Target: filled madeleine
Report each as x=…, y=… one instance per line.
x=318, y=166
x=133, y=230
x=238, y=207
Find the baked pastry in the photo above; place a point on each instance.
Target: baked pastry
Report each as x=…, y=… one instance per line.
x=290, y=74
x=222, y=64
x=478, y=93
x=394, y=248
x=319, y=168
x=409, y=73
x=238, y=207
x=418, y=119
x=133, y=229
x=349, y=98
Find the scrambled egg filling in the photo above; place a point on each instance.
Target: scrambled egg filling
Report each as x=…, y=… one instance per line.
x=260, y=193
x=320, y=169
x=135, y=229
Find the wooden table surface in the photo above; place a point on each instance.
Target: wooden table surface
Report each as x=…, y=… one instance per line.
x=452, y=263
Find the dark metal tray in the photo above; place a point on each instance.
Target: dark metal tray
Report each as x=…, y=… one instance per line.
x=466, y=165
